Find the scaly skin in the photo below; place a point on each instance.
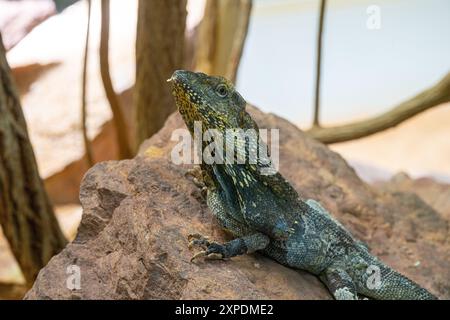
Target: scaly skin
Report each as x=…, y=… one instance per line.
x=265, y=213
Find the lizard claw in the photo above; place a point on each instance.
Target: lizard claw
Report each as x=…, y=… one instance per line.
x=197, y=240
x=198, y=255
x=197, y=176
x=211, y=250
x=215, y=251
x=207, y=255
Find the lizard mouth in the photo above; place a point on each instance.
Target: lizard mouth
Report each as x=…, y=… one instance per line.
x=181, y=77
x=182, y=89
x=188, y=101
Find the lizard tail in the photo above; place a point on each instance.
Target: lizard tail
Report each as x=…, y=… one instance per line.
x=382, y=282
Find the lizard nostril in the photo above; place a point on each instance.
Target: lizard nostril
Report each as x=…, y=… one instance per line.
x=178, y=74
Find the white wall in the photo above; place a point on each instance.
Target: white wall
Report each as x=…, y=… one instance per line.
x=364, y=71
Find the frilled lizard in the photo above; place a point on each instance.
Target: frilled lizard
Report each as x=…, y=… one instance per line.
x=264, y=212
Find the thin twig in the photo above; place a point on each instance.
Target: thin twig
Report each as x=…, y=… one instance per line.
x=118, y=118
x=87, y=143
x=316, y=122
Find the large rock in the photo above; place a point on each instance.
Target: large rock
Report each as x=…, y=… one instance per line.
x=434, y=193
x=132, y=243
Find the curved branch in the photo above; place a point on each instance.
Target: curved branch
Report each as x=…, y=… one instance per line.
x=434, y=96
x=118, y=118
x=87, y=143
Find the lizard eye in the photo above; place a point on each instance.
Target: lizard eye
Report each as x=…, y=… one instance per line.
x=222, y=90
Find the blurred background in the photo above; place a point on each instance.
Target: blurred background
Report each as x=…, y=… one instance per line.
x=375, y=56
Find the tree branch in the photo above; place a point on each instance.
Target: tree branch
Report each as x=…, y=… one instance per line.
x=159, y=52
x=118, y=118
x=434, y=96
x=316, y=122
x=221, y=37
x=87, y=143
x=26, y=214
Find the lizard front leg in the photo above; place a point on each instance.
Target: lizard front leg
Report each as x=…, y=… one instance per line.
x=238, y=246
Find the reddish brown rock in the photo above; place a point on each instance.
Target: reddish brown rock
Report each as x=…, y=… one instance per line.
x=436, y=194
x=132, y=243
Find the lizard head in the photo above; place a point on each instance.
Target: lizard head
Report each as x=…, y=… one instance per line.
x=211, y=100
